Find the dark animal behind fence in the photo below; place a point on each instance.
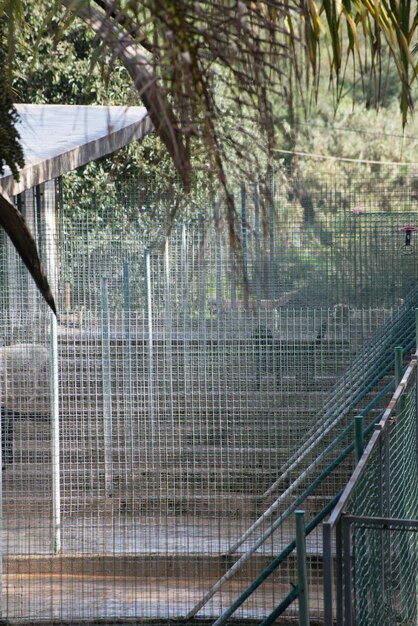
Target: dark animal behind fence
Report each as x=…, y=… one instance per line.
x=9, y=417
x=274, y=357
x=265, y=355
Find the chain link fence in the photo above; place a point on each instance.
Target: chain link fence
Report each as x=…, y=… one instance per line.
x=375, y=525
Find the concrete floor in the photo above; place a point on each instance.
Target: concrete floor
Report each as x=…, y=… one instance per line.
x=80, y=598
x=145, y=568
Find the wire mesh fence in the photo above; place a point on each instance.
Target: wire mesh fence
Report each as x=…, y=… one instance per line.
x=353, y=251
x=161, y=434
x=375, y=524
x=166, y=446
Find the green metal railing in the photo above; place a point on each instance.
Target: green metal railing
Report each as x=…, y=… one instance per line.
x=403, y=326
x=411, y=525
x=374, y=362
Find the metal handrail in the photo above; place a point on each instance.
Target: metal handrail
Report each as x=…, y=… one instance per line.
x=407, y=331
x=273, y=566
x=291, y=546
x=380, y=427
x=358, y=363
x=247, y=555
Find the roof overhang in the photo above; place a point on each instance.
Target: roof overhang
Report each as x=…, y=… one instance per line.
x=59, y=138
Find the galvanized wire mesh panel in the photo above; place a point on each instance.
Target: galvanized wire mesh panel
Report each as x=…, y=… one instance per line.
x=385, y=584
x=187, y=407
x=350, y=252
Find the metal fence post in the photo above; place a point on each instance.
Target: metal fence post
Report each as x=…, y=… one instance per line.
x=398, y=376
x=302, y=568
x=271, y=222
x=416, y=330
x=328, y=573
x=185, y=313
x=398, y=364
x=339, y=571
x=244, y=243
x=55, y=435
x=127, y=343
x=107, y=391
x=416, y=386
x=359, y=437
x=150, y=344
x=184, y=274
x=168, y=330
x=347, y=582
x=218, y=262
x=416, y=412
x=398, y=480
x=202, y=272
x=258, y=270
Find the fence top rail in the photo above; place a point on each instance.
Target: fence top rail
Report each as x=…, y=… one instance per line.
x=380, y=428
x=385, y=523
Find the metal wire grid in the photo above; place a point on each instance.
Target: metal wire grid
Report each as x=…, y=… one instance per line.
x=340, y=256
x=185, y=474
x=376, y=538
x=167, y=446
x=212, y=467
x=392, y=597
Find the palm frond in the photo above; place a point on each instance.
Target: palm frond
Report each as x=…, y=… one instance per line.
x=15, y=226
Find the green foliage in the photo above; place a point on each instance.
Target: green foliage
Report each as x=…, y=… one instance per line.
x=11, y=153
x=137, y=186
x=57, y=67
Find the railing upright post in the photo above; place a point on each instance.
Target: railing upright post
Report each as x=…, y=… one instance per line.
x=416, y=385
x=416, y=330
x=398, y=376
x=328, y=573
x=339, y=571
x=398, y=364
x=347, y=591
x=416, y=412
x=302, y=569
x=359, y=437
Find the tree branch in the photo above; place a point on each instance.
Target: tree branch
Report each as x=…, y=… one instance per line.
x=130, y=54
x=109, y=7
x=16, y=228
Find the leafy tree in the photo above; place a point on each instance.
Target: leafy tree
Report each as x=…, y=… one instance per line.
x=11, y=155
x=11, y=151
x=138, y=186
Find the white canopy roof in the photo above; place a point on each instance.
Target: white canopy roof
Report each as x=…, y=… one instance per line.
x=58, y=138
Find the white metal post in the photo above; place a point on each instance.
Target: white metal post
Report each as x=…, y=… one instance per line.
x=55, y=436
x=107, y=390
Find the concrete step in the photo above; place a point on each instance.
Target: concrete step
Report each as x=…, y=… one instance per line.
x=150, y=494
x=177, y=459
